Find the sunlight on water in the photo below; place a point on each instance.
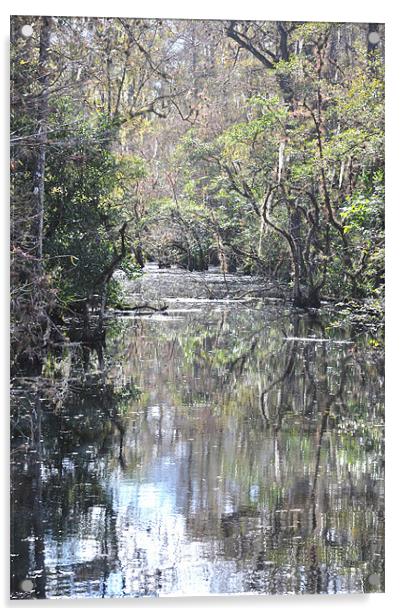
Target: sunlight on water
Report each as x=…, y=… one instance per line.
x=230, y=450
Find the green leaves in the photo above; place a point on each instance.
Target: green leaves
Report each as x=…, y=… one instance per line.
x=86, y=205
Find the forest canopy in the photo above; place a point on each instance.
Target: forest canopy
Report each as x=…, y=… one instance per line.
x=257, y=147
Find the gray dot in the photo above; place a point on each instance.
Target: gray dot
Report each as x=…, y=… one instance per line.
x=374, y=38
x=374, y=579
x=27, y=31
x=27, y=585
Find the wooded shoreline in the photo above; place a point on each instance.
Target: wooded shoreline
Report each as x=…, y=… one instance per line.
x=255, y=147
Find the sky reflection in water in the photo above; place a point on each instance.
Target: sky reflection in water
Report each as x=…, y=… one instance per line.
x=210, y=451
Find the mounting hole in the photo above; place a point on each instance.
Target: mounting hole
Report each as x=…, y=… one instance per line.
x=26, y=585
x=27, y=31
x=374, y=38
x=374, y=579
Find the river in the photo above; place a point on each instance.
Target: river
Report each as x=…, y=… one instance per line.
x=220, y=446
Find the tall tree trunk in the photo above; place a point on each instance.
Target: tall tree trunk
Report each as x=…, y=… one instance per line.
x=373, y=42
x=43, y=113
x=373, y=37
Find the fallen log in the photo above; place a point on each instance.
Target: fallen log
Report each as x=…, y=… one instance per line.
x=141, y=307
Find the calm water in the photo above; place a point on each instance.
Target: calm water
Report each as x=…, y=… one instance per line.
x=212, y=449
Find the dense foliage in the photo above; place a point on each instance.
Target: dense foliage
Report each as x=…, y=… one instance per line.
x=255, y=146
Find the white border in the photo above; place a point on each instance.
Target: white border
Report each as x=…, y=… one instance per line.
x=316, y=10
x=340, y=10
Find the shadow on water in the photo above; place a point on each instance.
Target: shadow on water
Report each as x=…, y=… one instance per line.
x=215, y=449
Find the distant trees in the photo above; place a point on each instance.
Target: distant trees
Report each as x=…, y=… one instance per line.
x=284, y=172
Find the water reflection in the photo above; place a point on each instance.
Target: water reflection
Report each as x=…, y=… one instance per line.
x=212, y=450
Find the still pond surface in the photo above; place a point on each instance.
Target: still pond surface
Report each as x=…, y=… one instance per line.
x=219, y=447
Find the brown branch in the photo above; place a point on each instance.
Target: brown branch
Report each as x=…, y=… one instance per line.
x=243, y=41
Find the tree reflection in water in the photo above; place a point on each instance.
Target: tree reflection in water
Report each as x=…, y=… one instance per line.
x=210, y=451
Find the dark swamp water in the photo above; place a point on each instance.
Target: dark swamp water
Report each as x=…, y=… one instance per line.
x=214, y=448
